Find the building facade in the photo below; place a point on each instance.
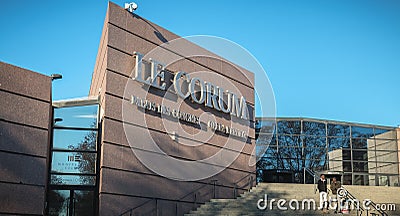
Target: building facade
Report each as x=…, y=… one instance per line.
x=360, y=154
x=92, y=155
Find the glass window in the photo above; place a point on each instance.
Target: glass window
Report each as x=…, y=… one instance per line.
x=72, y=180
x=316, y=165
x=314, y=128
x=362, y=132
x=361, y=180
x=83, y=202
x=360, y=155
x=346, y=166
x=360, y=166
x=338, y=130
x=289, y=140
x=340, y=154
x=272, y=151
x=347, y=179
x=314, y=153
x=73, y=162
x=385, y=134
x=267, y=163
x=290, y=164
x=79, y=116
x=337, y=143
x=74, y=139
x=346, y=154
x=58, y=202
x=290, y=152
x=360, y=143
x=289, y=127
x=313, y=141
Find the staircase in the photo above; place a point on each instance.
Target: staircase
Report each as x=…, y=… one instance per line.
x=246, y=204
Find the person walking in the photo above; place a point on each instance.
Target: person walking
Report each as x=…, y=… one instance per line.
x=335, y=185
x=323, y=194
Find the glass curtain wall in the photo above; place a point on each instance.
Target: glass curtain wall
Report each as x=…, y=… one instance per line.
x=360, y=154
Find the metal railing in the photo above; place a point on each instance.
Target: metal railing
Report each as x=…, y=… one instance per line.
x=361, y=210
x=194, y=193
x=313, y=174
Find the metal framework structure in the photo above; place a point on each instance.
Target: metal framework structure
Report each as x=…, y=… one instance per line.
x=364, y=154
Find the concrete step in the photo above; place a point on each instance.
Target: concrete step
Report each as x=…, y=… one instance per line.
x=246, y=203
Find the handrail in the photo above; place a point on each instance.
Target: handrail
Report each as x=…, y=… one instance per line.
x=373, y=204
x=249, y=183
x=358, y=207
x=383, y=213
x=314, y=177
x=136, y=207
x=212, y=182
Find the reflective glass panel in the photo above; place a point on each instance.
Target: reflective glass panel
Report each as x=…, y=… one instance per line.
x=290, y=152
x=361, y=180
x=314, y=141
x=289, y=127
x=338, y=130
x=289, y=140
x=272, y=152
x=58, y=202
x=79, y=116
x=346, y=154
x=337, y=143
x=360, y=166
x=362, y=132
x=314, y=153
x=385, y=134
x=347, y=179
x=360, y=155
x=316, y=165
x=267, y=163
x=360, y=143
x=83, y=203
x=74, y=139
x=314, y=128
x=72, y=180
x=346, y=166
x=339, y=154
x=73, y=162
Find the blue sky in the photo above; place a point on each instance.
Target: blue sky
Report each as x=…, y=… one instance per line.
x=338, y=60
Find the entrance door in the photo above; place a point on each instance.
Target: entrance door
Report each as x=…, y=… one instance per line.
x=71, y=202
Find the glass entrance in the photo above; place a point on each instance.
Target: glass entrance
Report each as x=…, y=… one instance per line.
x=73, y=172
x=71, y=202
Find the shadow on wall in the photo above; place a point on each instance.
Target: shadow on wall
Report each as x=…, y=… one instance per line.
x=156, y=31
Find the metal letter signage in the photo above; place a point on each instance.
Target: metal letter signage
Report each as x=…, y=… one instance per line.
x=199, y=91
